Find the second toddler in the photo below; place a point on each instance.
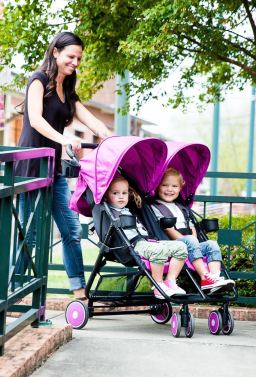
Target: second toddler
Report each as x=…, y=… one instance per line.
x=167, y=192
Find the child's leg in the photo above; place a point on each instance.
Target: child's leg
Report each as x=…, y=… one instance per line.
x=154, y=252
x=212, y=252
x=214, y=267
x=157, y=272
x=213, y=255
x=214, y=281
x=195, y=255
x=197, y=250
x=175, y=267
x=157, y=253
x=200, y=268
x=177, y=251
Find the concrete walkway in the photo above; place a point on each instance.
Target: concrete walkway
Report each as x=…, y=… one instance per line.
x=131, y=346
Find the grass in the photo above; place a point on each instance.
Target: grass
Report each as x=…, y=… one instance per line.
x=59, y=279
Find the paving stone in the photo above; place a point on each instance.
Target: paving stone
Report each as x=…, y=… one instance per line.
x=30, y=348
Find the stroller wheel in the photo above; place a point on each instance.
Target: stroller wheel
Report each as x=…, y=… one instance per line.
x=77, y=314
x=215, y=322
x=176, y=324
x=228, y=329
x=189, y=331
x=164, y=314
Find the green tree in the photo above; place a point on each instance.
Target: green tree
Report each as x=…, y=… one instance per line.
x=214, y=42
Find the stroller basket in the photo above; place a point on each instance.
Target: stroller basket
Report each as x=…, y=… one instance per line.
x=122, y=285
x=70, y=169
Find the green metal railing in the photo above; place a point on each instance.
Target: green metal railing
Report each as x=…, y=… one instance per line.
x=230, y=237
x=16, y=239
x=233, y=237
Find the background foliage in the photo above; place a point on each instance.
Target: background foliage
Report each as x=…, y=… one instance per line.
x=213, y=42
x=240, y=259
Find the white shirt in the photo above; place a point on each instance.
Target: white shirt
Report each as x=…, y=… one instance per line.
x=181, y=222
x=131, y=233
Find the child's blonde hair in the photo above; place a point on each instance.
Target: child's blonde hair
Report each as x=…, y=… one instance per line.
x=133, y=195
x=174, y=172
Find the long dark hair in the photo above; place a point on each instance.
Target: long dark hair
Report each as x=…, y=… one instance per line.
x=50, y=69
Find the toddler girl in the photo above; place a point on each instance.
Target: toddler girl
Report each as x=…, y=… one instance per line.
x=117, y=196
x=168, y=191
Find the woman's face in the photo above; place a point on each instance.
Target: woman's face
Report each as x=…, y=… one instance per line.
x=117, y=194
x=68, y=59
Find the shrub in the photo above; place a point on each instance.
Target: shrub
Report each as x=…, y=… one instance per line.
x=240, y=260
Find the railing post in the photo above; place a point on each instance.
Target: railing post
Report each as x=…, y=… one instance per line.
x=5, y=237
x=43, y=238
x=215, y=147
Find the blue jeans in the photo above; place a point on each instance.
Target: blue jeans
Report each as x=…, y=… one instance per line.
x=70, y=229
x=196, y=250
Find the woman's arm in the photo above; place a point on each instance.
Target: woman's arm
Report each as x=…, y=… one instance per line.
x=89, y=120
x=35, y=111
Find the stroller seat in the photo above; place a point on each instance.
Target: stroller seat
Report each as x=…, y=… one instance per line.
x=147, y=263
x=166, y=265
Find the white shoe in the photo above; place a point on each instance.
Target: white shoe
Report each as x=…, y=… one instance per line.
x=164, y=287
x=171, y=283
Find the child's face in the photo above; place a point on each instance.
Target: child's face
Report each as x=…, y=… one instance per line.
x=169, y=189
x=117, y=194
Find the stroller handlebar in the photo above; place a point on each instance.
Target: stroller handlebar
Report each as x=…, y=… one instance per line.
x=72, y=155
x=89, y=145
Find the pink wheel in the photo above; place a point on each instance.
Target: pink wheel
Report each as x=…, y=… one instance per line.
x=176, y=324
x=77, y=314
x=228, y=329
x=164, y=315
x=215, y=322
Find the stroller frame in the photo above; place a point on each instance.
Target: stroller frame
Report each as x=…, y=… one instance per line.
x=160, y=310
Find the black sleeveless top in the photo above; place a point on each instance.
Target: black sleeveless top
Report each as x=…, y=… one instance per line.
x=55, y=112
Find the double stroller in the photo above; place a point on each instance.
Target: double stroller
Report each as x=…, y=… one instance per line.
x=142, y=161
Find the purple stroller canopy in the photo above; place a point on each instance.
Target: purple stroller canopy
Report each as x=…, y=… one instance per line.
x=192, y=160
x=141, y=158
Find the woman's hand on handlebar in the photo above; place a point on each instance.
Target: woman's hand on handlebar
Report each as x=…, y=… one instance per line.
x=76, y=144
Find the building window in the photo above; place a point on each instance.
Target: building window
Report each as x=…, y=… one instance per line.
x=15, y=131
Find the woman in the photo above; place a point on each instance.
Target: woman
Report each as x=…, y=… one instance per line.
x=51, y=104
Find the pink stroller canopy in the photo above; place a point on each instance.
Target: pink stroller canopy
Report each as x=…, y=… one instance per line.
x=192, y=160
x=141, y=159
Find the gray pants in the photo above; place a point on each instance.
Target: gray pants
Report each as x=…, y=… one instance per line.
x=158, y=252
